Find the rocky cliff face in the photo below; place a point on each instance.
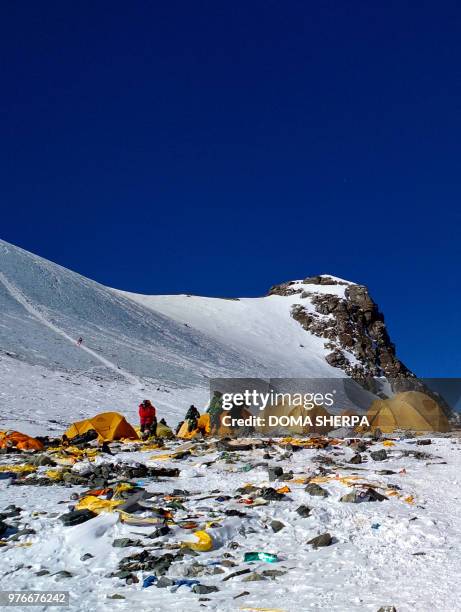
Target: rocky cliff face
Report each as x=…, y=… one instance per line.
x=351, y=324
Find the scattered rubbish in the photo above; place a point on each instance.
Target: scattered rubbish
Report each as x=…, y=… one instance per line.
x=260, y=556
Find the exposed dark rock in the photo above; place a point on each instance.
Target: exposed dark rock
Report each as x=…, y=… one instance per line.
x=315, y=489
x=274, y=472
x=76, y=517
x=125, y=542
x=203, y=589
x=253, y=577
x=379, y=455
x=324, y=539
x=164, y=582
x=277, y=526
x=270, y=494
x=273, y=573
x=303, y=511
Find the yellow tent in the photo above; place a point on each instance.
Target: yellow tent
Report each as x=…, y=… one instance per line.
x=296, y=425
x=411, y=410
x=232, y=430
x=203, y=427
x=108, y=425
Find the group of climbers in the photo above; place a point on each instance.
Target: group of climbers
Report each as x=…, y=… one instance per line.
x=111, y=425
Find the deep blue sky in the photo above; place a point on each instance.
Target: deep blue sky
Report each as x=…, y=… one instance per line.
x=218, y=148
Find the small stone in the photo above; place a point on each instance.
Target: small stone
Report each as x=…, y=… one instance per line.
x=203, y=589
x=159, y=532
x=63, y=574
x=303, y=511
x=271, y=494
x=43, y=572
x=116, y=596
x=356, y=459
x=86, y=556
x=125, y=542
x=379, y=455
x=274, y=472
x=324, y=539
x=273, y=573
x=253, y=577
x=164, y=582
x=423, y=442
x=76, y=517
x=43, y=460
x=315, y=489
x=277, y=526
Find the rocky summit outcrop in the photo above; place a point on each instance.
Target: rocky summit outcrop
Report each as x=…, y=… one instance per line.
x=351, y=324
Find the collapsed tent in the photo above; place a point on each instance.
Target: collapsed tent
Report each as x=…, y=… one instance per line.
x=292, y=419
x=108, y=425
x=19, y=440
x=411, y=410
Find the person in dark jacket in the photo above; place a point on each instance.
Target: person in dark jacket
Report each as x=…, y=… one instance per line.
x=148, y=418
x=215, y=410
x=192, y=417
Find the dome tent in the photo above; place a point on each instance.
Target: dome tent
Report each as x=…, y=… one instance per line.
x=203, y=427
x=108, y=425
x=411, y=410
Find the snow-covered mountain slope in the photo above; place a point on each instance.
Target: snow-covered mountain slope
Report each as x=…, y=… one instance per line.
x=164, y=347
x=259, y=328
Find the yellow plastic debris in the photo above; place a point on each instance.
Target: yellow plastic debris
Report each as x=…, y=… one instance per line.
x=18, y=468
x=123, y=486
x=204, y=542
x=54, y=474
x=410, y=499
x=91, y=502
x=388, y=443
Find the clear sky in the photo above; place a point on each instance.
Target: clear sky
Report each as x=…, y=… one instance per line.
x=220, y=147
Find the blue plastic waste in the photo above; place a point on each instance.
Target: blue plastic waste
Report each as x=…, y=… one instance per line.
x=149, y=581
x=183, y=582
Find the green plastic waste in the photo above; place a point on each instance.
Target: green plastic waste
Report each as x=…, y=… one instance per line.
x=260, y=556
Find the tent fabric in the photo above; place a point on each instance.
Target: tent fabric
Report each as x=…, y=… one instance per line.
x=410, y=410
x=203, y=427
x=294, y=412
x=163, y=431
x=225, y=431
x=19, y=440
x=108, y=425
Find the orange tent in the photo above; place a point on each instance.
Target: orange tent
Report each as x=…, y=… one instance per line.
x=19, y=440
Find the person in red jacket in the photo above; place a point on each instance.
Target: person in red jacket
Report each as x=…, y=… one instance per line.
x=148, y=418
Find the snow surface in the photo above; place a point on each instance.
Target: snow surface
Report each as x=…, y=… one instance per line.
x=409, y=559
